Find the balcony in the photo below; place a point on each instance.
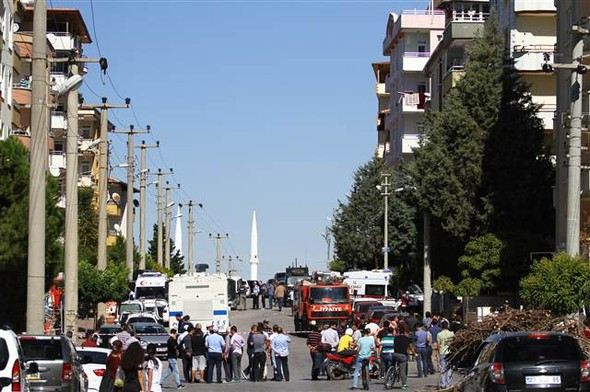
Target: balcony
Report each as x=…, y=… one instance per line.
x=534, y=6
x=415, y=61
x=380, y=89
x=85, y=180
x=409, y=142
x=411, y=103
x=452, y=77
x=62, y=40
x=529, y=58
x=411, y=20
x=464, y=26
x=59, y=120
x=57, y=160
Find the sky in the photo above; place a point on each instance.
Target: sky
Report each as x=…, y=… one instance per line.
x=257, y=105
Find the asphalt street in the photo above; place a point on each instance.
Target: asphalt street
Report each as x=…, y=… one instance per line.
x=299, y=363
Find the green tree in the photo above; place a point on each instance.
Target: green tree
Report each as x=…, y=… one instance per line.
x=176, y=259
x=481, y=264
x=117, y=253
x=338, y=266
x=560, y=285
x=100, y=286
x=358, y=222
x=87, y=225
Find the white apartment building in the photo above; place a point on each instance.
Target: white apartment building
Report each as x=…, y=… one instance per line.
x=8, y=25
x=410, y=39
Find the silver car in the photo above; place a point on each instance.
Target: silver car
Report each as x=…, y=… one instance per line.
x=53, y=364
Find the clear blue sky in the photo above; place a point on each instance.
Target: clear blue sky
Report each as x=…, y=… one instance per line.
x=258, y=105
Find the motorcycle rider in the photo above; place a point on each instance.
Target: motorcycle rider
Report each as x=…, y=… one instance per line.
x=365, y=347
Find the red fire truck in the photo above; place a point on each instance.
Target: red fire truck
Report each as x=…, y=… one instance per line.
x=322, y=302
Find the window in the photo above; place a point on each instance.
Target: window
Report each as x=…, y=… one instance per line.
x=421, y=46
x=86, y=133
x=59, y=146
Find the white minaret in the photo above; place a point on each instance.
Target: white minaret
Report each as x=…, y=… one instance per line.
x=178, y=231
x=254, y=250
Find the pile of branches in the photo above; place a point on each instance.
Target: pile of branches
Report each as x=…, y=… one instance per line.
x=468, y=339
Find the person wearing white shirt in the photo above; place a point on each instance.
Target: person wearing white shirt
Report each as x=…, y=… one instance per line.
x=330, y=336
x=373, y=327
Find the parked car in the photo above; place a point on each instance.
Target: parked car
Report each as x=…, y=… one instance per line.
x=106, y=332
x=129, y=307
x=152, y=333
x=12, y=363
x=94, y=363
x=376, y=312
x=53, y=364
x=529, y=361
x=390, y=316
x=361, y=308
x=142, y=318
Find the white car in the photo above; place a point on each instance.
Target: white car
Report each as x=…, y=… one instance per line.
x=12, y=363
x=94, y=363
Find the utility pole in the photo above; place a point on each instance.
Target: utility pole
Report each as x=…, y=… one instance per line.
x=218, y=238
x=130, y=189
x=385, y=192
x=427, y=274
x=574, y=150
x=160, y=184
x=38, y=161
x=328, y=238
x=167, y=227
x=191, y=223
x=230, y=266
x=142, y=199
x=103, y=149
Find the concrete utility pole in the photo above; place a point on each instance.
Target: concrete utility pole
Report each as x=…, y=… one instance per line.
x=574, y=151
x=167, y=227
x=160, y=184
x=103, y=174
x=143, y=199
x=230, y=265
x=37, y=177
x=130, y=189
x=191, y=223
x=328, y=238
x=385, y=192
x=427, y=274
x=218, y=238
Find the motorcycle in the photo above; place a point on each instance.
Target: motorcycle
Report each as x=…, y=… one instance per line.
x=341, y=366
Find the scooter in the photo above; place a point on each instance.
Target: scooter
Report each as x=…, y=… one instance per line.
x=341, y=366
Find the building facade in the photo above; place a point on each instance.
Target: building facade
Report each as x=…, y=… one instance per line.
x=411, y=38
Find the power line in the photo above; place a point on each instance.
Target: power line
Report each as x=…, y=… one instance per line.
x=94, y=28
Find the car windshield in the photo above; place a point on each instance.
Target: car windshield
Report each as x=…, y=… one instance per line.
x=149, y=329
x=540, y=348
x=328, y=295
x=39, y=349
x=140, y=320
x=150, y=292
x=89, y=356
x=291, y=280
x=131, y=308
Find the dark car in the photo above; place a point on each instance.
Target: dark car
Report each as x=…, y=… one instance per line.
x=531, y=361
x=106, y=332
x=375, y=313
x=53, y=363
x=361, y=308
x=152, y=333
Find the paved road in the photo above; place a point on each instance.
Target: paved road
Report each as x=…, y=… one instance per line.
x=299, y=363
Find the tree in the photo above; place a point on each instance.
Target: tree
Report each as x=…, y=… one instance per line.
x=96, y=286
x=481, y=264
x=561, y=284
x=358, y=222
x=14, y=210
x=338, y=266
x=87, y=225
x=176, y=259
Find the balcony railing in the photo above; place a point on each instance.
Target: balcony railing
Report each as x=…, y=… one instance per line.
x=423, y=12
x=469, y=16
x=532, y=57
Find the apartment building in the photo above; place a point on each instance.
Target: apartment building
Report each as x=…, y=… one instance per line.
x=570, y=13
x=411, y=38
x=11, y=12
x=381, y=71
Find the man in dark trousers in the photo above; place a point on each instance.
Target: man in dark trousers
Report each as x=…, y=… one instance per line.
x=172, y=357
x=317, y=357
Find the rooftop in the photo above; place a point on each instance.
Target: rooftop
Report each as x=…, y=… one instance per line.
x=71, y=16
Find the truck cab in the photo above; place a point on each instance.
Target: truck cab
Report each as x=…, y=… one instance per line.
x=322, y=302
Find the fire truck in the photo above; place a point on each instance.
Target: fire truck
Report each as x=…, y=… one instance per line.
x=322, y=302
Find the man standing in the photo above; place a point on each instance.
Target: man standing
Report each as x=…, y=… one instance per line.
x=313, y=341
x=242, y=293
x=280, y=348
x=259, y=340
x=172, y=346
x=215, y=345
x=199, y=352
x=186, y=348
x=401, y=345
x=330, y=336
x=123, y=336
x=237, y=344
x=421, y=343
x=444, y=340
x=434, y=331
x=366, y=346
x=255, y=296
x=356, y=332
x=271, y=294
x=226, y=358
x=280, y=295
x=263, y=293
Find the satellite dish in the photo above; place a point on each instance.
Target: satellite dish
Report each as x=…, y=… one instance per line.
x=54, y=171
x=15, y=27
x=135, y=202
x=117, y=227
x=116, y=197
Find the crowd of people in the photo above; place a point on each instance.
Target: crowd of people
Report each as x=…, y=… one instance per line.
x=399, y=340
x=207, y=357
x=272, y=294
